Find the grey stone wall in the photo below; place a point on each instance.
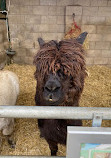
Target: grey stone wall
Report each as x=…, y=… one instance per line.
x=49, y=19
x=3, y=36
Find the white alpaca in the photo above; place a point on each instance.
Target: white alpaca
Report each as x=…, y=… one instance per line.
x=9, y=90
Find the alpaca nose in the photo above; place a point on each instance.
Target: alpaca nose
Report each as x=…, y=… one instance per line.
x=52, y=87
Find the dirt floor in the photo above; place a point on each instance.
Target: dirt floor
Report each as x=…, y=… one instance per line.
x=97, y=92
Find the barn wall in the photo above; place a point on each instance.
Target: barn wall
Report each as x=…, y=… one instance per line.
x=30, y=19
x=3, y=36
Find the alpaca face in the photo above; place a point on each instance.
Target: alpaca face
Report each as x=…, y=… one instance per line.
x=52, y=91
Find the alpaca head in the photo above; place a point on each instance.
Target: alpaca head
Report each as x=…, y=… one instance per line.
x=60, y=70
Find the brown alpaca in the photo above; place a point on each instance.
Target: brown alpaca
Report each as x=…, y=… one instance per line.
x=60, y=74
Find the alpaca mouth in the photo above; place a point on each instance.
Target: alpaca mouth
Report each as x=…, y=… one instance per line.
x=50, y=99
x=53, y=101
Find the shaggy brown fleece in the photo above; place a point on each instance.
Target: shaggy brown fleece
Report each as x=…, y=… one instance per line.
x=67, y=56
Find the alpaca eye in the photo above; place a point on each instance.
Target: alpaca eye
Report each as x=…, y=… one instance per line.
x=60, y=73
x=56, y=89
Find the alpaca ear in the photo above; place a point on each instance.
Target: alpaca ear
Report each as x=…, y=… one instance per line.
x=81, y=38
x=41, y=42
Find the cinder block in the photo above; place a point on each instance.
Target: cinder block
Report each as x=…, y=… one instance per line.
x=89, y=28
x=109, y=61
x=14, y=9
x=24, y=2
x=20, y=52
x=82, y=2
x=31, y=52
x=60, y=10
x=104, y=29
x=32, y=36
x=40, y=10
x=6, y=45
x=102, y=45
x=94, y=53
x=13, y=34
x=93, y=20
x=61, y=20
x=74, y=9
x=21, y=37
x=52, y=19
x=106, y=37
x=90, y=11
x=52, y=36
x=33, y=19
x=64, y=2
x=27, y=44
x=16, y=2
x=1, y=46
x=34, y=2
x=104, y=11
x=2, y=22
x=99, y=3
x=3, y=34
x=109, y=3
x=49, y=36
x=56, y=10
x=26, y=10
x=30, y=28
x=48, y=19
x=48, y=2
x=100, y=61
x=28, y=60
x=15, y=43
x=17, y=29
x=16, y=19
x=17, y=60
x=1, y=38
x=106, y=53
x=52, y=10
x=56, y=28
x=108, y=20
x=37, y=28
x=42, y=28
x=44, y=19
x=92, y=45
x=95, y=37
x=89, y=61
x=34, y=51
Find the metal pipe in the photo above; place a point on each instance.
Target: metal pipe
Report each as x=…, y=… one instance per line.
x=30, y=156
x=54, y=112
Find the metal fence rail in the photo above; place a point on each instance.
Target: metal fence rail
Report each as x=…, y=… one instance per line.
x=48, y=112
x=31, y=157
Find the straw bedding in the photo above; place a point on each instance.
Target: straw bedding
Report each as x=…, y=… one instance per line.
x=97, y=92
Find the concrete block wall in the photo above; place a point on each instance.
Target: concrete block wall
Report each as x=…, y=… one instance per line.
x=94, y=17
x=49, y=19
x=3, y=36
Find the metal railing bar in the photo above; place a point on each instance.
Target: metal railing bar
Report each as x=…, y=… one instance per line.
x=30, y=156
x=54, y=112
